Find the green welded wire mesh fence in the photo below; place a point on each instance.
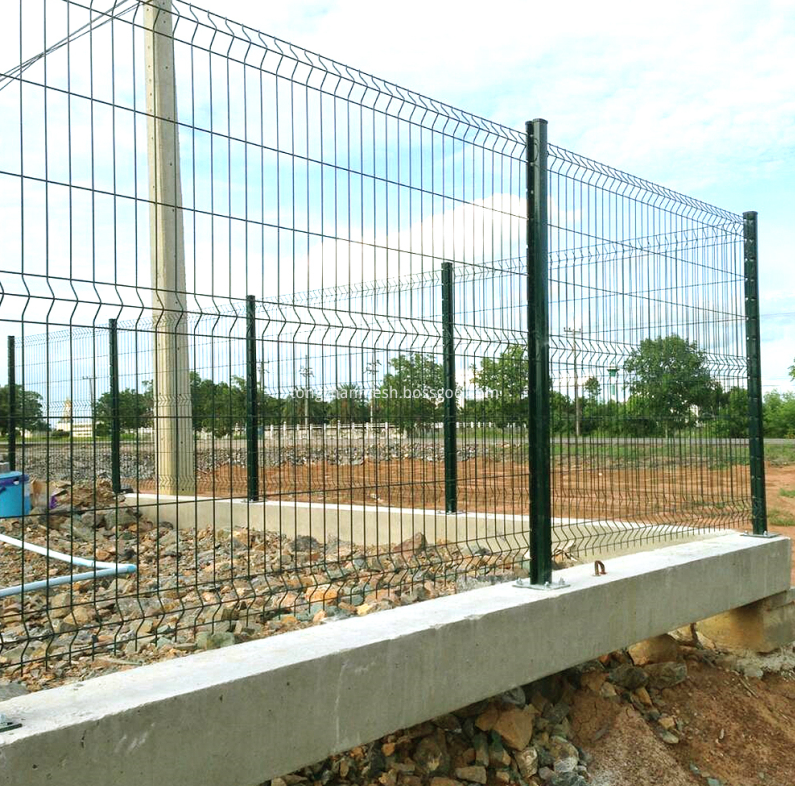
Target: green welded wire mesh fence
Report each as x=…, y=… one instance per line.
x=648, y=349
x=280, y=333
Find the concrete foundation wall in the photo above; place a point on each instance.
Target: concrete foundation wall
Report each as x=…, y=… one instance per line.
x=241, y=715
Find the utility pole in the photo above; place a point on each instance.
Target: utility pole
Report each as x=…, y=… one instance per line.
x=307, y=373
x=92, y=393
x=573, y=332
x=372, y=369
x=262, y=372
x=174, y=449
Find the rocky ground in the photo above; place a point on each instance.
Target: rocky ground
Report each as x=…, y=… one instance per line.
x=667, y=712
x=644, y=484
x=780, y=487
x=682, y=715
x=662, y=714
x=249, y=584
x=200, y=589
x=83, y=461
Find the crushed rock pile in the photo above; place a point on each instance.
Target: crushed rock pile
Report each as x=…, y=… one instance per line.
x=226, y=585
x=544, y=733
x=83, y=462
x=522, y=737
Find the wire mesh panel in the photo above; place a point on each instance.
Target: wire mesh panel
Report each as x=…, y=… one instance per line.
x=649, y=406
x=269, y=344
x=167, y=166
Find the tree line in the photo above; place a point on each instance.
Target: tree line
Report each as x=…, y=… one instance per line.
x=669, y=389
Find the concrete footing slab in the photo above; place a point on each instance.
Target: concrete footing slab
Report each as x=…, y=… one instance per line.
x=382, y=524
x=248, y=713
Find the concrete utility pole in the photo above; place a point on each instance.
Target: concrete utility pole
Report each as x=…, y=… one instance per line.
x=372, y=368
x=262, y=372
x=573, y=333
x=174, y=457
x=307, y=374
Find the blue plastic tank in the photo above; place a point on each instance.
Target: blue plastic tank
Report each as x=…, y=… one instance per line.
x=14, y=495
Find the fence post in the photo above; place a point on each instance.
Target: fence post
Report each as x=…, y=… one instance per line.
x=753, y=355
x=538, y=355
x=448, y=365
x=12, y=404
x=115, y=408
x=252, y=422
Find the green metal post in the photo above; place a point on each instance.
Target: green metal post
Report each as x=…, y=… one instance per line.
x=115, y=408
x=448, y=365
x=753, y=354
x=252, y=421
x=538, y=355
x=12, y=404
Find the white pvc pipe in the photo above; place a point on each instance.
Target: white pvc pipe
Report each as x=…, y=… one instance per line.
x=99, y=569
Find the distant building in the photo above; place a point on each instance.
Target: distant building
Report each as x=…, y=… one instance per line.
x=67, y=424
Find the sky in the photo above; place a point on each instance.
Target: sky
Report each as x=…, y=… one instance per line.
x=700, y=98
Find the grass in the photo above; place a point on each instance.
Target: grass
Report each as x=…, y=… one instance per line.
x=619, y=453
x=787, y=492
x=780, y=455
x=780, y=518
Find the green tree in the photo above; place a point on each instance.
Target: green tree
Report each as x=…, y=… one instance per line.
x=561, y=410
x=411, y=393
x=778, y=411
x=611, y=418
x=505, y=380
x=349, y=405
x=731, y=417
x=269, y=409
x=591, y=388
x=221, y=408
x=30, y=414
x=135, y=410
x=669, y=377
x=294, y=408
x=636, y=419
x=218, y=407
x=473, y=410
x=592, y=411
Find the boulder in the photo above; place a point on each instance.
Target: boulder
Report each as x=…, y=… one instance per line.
x=472, y=774
x=413, y=544
x=431, y=756
x=527, y=761
x=628, y=676
x=515, y=726
x=10, y=690
x=666, y=675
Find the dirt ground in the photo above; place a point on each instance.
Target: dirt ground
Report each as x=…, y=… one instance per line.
x=780, y=487
x=736, y=729
x=692, y=496
x=648, y=494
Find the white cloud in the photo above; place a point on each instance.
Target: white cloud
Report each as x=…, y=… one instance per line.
x=698, y=96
